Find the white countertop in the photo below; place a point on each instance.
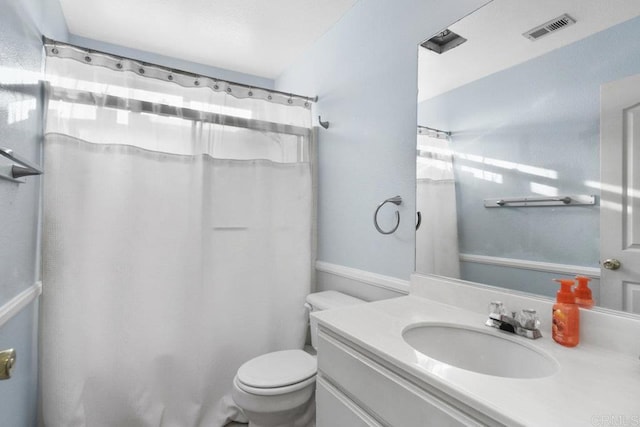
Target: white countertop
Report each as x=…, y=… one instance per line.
x=593, y=386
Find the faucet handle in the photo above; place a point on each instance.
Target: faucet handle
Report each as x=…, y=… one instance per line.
x=528, y=319
x=496, y=309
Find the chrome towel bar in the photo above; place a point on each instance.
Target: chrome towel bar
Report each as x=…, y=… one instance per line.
x=19, y=168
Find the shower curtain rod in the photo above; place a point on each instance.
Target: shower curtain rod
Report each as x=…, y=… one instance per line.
x=182, y=77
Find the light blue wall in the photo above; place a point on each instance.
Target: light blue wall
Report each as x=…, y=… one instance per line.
x=545, y=114
x=37, y=18
x=20, y=130
x=22, y=24
x=170, y=62
x=18, y=407
x=364, y=71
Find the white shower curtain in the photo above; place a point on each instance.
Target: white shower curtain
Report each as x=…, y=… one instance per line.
x=173, y=251
x=437, y=238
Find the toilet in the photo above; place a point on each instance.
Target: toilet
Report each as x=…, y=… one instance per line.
x=277, y=389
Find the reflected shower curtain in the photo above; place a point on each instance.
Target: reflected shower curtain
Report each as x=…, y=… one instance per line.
x=437, y=238
x=174, y=251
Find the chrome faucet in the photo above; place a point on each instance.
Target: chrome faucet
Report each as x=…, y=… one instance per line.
x=525, y=323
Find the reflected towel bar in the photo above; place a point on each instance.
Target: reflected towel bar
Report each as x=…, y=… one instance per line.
x=19, y=169
x=433, y=132
x=535, y=201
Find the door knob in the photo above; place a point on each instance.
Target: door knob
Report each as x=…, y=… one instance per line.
x=611, y=264
x=7, y=362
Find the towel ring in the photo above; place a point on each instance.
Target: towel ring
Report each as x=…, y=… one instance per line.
x=397, y=200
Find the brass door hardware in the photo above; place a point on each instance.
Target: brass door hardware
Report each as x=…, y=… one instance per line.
x=7, y=362
x=611, y=264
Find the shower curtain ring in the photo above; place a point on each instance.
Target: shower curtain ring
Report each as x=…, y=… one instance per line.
x=397, y=200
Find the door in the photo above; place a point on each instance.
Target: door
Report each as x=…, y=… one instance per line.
x=620, y=199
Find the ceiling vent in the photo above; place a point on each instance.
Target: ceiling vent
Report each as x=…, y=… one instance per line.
x=443, y=42
x=549, y=27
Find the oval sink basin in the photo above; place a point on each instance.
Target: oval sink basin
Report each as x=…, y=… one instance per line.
x=479, y=351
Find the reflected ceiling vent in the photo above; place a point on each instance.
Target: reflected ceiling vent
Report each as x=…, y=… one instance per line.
x=443, y=42
x=549, y=27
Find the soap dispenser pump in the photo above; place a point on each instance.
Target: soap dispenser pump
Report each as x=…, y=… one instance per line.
x=584, y=299
x=566, y=316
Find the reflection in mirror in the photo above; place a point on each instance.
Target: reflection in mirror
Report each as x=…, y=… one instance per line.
x=516, y=112
x=437, y=235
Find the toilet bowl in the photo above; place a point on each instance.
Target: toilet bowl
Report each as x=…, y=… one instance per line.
x=277, y=389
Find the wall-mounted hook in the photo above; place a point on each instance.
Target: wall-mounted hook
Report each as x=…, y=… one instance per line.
x=397, y=200
x=323, y=124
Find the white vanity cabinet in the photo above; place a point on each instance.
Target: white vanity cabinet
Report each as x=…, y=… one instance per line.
x=355, y=388
x=370, y=375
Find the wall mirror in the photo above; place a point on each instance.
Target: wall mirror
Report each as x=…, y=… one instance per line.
x=526, y=169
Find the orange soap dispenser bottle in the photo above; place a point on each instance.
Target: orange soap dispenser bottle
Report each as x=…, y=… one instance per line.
x=584, y=298
x=566, y=316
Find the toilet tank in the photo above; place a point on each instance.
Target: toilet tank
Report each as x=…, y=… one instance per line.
x=326, y=300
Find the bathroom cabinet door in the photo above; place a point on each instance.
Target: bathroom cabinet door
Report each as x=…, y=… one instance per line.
x=338, y=410
x=386, y=397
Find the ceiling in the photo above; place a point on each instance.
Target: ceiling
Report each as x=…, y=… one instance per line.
x=495, y=41
x=250, y=36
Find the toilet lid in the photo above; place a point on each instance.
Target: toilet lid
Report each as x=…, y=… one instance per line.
x=278, y=369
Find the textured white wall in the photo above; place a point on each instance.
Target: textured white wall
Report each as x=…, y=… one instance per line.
x=20, y=130
x=22, y=24
x=364, y=70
